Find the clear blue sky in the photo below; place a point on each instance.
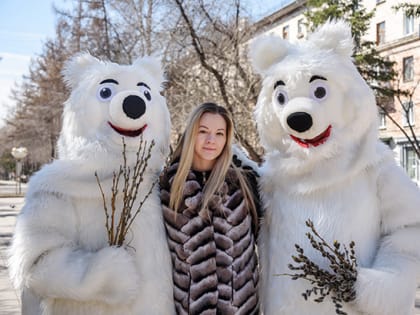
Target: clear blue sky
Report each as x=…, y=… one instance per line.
x=26, y=24
x=24, y=27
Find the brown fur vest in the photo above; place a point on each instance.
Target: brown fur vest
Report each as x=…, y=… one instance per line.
x=215, y=267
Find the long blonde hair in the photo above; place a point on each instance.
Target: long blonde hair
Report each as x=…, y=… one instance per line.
x=185, y=153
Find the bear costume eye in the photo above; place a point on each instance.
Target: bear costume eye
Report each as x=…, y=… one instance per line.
x=280, y=96
x=105, y=92
x=145, y=90
x=319, y=90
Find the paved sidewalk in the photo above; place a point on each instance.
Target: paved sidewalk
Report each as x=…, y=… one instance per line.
x=9, y=209
x=9, y=298
x=12, y=189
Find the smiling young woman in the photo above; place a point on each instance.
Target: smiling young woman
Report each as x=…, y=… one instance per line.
x=210, y=211
x=209, y=141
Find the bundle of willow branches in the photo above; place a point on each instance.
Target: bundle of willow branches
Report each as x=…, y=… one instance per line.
x=118, y=223
x=339, y=283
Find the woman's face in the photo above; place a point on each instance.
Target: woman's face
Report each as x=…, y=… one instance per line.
x=209, y=141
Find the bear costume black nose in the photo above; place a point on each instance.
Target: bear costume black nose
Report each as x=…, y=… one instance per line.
x=134, y=106
x=299, y=121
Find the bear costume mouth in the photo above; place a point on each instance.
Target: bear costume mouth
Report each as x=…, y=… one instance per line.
x=318, y=140
x=128, y=132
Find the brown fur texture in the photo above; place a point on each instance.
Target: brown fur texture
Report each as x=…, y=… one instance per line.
x=215, y=266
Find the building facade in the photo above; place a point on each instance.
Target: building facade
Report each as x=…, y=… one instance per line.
x=398, y=38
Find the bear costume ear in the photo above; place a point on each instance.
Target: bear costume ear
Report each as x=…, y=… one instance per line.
x=152, y=65
x=266, y=51
x=76, y=66
x=335, y=36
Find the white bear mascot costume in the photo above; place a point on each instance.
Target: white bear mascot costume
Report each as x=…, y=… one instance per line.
x=317, y=120
x=60, y=253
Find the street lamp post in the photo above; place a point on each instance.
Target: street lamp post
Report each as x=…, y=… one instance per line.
x=19, y=154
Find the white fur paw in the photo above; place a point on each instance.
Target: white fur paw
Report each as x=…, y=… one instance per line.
x=241, y=159
x=116, y=274
x=380, y=292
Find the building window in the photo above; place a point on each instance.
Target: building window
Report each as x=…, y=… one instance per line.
x=408, y=24
x=408, y=69
x=300, y=28
x=408, y=113
x=382, y=119
x=286, y=32
x=380, y=33
x=411, y=163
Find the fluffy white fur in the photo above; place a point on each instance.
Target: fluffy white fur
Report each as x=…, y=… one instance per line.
x=348, y=185
x=60, y=254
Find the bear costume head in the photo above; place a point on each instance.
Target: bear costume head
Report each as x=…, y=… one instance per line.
x=314, y=105
x=109, y=101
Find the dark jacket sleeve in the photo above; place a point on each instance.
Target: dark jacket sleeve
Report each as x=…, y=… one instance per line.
x=253, y=183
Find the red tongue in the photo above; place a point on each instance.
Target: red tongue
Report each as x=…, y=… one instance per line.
x=318, y=140
x=126, y=132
